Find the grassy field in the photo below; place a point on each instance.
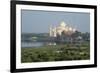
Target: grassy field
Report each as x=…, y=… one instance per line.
x=61, y=52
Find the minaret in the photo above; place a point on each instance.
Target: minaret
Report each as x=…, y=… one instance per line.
x=55, y=32
x=50, y=31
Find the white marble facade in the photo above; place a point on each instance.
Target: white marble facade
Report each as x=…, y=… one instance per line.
x=63, y=27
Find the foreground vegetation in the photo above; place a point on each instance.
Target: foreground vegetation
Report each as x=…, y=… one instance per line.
x=59, y=52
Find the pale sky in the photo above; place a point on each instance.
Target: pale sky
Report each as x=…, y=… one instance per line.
x=39, y=21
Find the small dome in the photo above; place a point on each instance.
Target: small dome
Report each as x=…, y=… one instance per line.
x=74, y=30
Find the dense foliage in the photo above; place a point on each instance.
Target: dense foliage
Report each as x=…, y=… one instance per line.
x=59, y=52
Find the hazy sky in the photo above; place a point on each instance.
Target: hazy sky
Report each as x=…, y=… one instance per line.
x=39, y=21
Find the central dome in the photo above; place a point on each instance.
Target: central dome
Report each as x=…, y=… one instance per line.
x=62, y=24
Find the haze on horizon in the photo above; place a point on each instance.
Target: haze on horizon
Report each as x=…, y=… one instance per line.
x=33, y=21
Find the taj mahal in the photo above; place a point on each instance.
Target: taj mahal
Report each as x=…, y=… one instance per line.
x=58, y=30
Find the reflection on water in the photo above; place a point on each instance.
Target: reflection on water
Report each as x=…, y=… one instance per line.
x=31, y=44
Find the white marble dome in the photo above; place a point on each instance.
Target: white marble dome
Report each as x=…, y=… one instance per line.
x=63, y=24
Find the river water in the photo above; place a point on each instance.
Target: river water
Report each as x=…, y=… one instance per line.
x=31, y=44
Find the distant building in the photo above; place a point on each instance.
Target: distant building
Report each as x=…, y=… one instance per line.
x=64, y=33
x=63, y=27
